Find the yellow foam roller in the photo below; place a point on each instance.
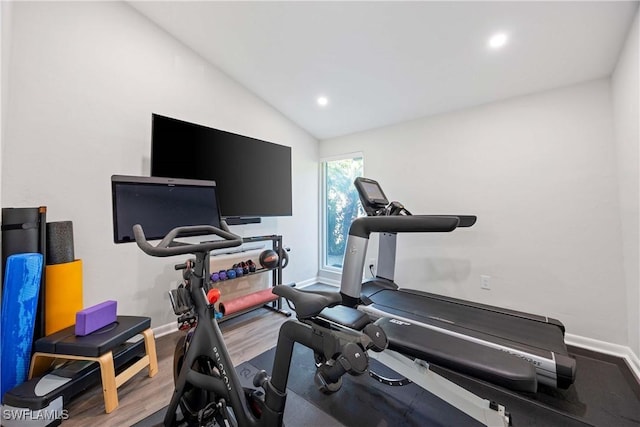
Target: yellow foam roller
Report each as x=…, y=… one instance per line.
x=63, y=298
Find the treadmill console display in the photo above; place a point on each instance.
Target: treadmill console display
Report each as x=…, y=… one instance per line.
x=370, y=192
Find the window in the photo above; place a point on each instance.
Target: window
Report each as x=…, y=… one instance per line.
x=341, y=206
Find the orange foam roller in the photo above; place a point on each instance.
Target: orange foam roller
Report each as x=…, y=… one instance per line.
x=63, y=297
x=246, y=302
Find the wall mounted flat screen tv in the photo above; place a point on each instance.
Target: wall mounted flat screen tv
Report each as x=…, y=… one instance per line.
x=160, y=205
x=253, y=177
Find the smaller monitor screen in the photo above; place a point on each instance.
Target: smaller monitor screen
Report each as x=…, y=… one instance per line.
x=160, y=205
x=370, y=192
x=373, y=191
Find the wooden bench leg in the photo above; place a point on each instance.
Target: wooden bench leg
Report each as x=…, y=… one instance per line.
x=39, y=364
x=109, y=389
x=150, y=347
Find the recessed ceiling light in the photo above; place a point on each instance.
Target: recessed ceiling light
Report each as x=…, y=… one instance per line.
x=322, y=101
x=498, y=40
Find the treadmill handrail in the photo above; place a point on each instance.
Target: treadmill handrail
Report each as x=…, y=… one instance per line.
x=364, y=226
x=466, y=220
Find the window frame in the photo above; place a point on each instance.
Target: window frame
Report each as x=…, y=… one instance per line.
x=323, y=266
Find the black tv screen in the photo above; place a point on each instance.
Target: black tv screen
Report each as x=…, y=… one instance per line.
x=160, y=205
x=253, y=176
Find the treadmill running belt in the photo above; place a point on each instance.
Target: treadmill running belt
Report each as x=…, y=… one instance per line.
x=474, y=321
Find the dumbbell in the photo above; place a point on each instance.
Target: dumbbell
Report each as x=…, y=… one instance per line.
x=245, y=267
x=238, y=269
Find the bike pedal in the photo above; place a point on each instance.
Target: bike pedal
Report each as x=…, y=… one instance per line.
x=186, y=322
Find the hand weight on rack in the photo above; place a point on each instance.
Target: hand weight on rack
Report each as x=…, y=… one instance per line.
x=269, y=259
x=215, y=277
x=238, y=270
x=284, y=257
x=231, y=274
x=222, y=274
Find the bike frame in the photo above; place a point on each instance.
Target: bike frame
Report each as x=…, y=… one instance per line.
x=207, y=340
x=338, y=351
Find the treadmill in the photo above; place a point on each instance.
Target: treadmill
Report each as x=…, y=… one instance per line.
x=483, y=341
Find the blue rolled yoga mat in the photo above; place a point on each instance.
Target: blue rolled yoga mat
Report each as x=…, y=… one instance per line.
x=19, y=307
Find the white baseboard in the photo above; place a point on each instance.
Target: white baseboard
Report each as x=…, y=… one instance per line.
x=160, y=331
x=327, y=281
x=306, y=283
x=598, y=346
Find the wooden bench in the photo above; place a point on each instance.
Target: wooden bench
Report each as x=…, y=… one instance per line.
x=97, y=347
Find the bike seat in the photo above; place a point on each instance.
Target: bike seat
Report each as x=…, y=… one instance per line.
x=308, y=304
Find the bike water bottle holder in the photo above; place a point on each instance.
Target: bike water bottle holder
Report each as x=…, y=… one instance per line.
x=181, y=300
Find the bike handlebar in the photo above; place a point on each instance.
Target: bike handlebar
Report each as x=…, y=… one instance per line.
x=165, y=248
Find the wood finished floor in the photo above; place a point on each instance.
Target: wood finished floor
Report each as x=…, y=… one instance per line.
x=246, y=336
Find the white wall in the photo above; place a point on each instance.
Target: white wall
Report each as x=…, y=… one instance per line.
x=625, y=94
x=5, y=46
x=85, y=78
x=539, y=172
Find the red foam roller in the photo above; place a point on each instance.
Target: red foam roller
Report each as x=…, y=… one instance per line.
x=247, y=301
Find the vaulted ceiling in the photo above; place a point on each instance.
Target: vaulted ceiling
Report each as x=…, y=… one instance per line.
x=380, y=63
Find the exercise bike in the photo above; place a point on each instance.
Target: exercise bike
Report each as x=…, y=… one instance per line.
x=208, y=391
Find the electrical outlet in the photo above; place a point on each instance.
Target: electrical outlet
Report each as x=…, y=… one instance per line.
x=485, y=282
x=372, y=267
